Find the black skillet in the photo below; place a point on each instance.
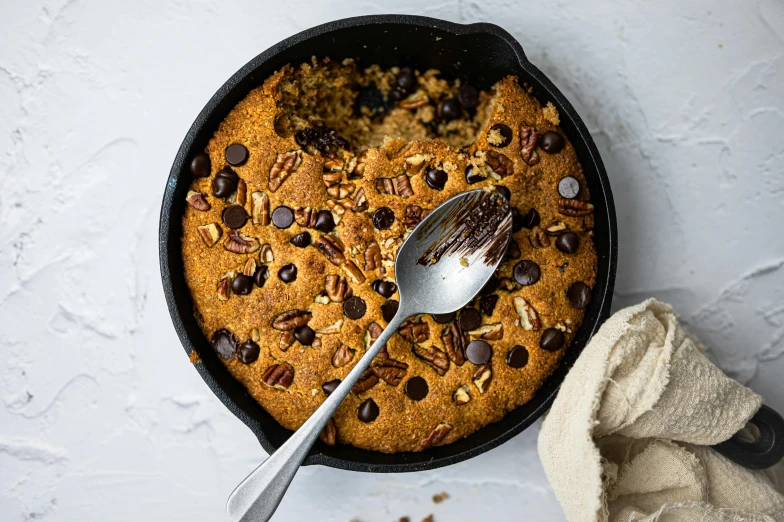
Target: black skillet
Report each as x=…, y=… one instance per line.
x=481, y=53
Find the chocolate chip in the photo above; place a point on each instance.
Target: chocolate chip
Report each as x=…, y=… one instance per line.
x=383, y=218
x=468, y=96
x=416, y=388
x=504, y=191
x=304, y=334
x=449, y=109
x=324, y=221
x=568, y=187
x=201, y=166
x=551, y=142
x=235, y=217
x=224, y=343
x=397, y=93
x=225, y=183
x=472, y=175
x=236, y=154
x=512, y=250
x=567, y=242
x=505, y=132
x=324, y=139
x=579, y=294
x=487, y=303
x=526, y=272
x=491, y=286
x=385, y=288
x=368, y=411
x=261, y=275
x=552, y=339
x=282, y=217
x=301, y=240
x=479, y=352
x=406, y=79
x=469, y=319
x=529, y=220
x=288, y=273
x=443, y=318
x=242, y=284
x=389, y=309
x=330, y=386
x=517, y=357
x=354, y=307
x=248, y=352
x=436, y=178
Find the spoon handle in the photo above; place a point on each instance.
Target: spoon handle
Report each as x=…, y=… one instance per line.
x=257, y=497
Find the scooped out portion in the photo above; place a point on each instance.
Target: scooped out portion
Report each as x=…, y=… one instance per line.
x=295, y=213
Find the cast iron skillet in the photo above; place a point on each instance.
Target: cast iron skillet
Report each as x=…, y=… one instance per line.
x=482, y=53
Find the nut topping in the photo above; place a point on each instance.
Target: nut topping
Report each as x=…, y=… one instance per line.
x=372, y=256
x=414, y=215
x=499, y=163
x=360, y=201
x=341, y=190
x=330, y=178
x=371, y=334
x=240, y=196
x=333, y=164
x=266, y=254
x=462, y=395
x=528, y=139
x=574, y=207
x=366, y=381
x=342, y=356
x=250, y=267
x=210, y=233
x=286, y=341
x=389, y=370
x=555, y=227
x=240, y=243
x=417, y=99
x=538, y=238
x=329, y=433
x=331, y=247
x=260, y=208
x=305, y=217
x=197, y=200
x=437, y=435
x=482, y=378
x=414, y=332
x=291, y=319
x=433, y=356
x=415, y=164
x=331, y=329
x=284, y=165
x=223, y=287
x=454, y=343
x=278, y=376
x=397, y=186
x=337, y=288
x=359, y=168
x=489, y=332
x=353, y=271
x=529, y=319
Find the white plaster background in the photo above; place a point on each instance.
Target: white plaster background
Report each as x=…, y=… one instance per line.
x=102, y=417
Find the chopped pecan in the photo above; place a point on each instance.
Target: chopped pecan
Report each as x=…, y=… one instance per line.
x=321, y=298
x=415, y=164
x=329, y=433
x=489, y=332
x=260, y=208
x=389, y=370
x=223, y=287
x=331, y=178
x=197, y=200
x=342, y=356
x=455, y=343
x=210, y=233
x=331, y=247
x=360, y=201
x=414, y=214
x=499, y=163
x=359, y=168
x=434, y=357
x=529, y=319
x=555, y=227
x=291, y=319
x=371, y=334
x=266, y=255
x=333, y=164
x=341, y=190
x=339, y=206
x=286, y=341
x=537, y=238
x=278, y=376
x=353, y=271
x=337, y=288
x=417, y=99
x=462, y=395
x=437, y=435
x=284, y=165
x=574, y=207
x=250, y=267
x=482, y=378
x=528, y=139
x=414, y=332
x=506, y=284
x=372, y=256
x=239, y=243
x=255, y=335
x=240, y=196
x=366, y=381
x=331, y=329
x=397, y=186
x=305, y=216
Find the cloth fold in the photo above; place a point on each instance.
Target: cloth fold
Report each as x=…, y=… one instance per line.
x=626, y=439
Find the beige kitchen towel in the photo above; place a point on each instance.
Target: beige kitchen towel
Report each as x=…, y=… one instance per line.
x=625, y=440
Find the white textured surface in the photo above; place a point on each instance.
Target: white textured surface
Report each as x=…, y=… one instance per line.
x=102, y=417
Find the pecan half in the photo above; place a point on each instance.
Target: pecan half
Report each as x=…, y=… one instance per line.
x=342, y=356
x=284, y=165
x=574, y=207
x=341, y=190
x=239, y=243
x=250, y=267
x=372, y=256
x=210, y=233
x=415, y=164
x=366, y=381
x=454, y=342
x=291, y=319
x=414, y=332
x=329, y=433
x=305, y=216
x=482, y=378
x=437, y=435
x=240, y=196
x=331, y=247
x=462, y=395
x=223, y=288
x=499, y=163
x=260, y=208
x=555, y=227
x=371, y=334
x=353, y=271
x=389, y=370
x=529, y=319
x=266, y=255
x=337, y=288
x=278, y=376
x=286, y=341
x=360, y=201
x=537, y=238
x=397, y=186
x=331, y=329
x=434, y=357
x=414, y=215
x=528, y=139
x=197, y=200
x=417, y=99
x=489, y=332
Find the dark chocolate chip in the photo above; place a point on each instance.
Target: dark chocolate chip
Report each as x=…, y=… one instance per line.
x=304, y=334
x=579, y=294
x=261, y=275
x=551, y=142
x=330, y=386
x=389, y=309
x=469, y=319
x=504, y=191
x=517, y=357
x=468, y=96
x=368, y=411
x=567, y=242
x=224, y=343
x=301, y=240
x=201, y=166
x=406, y=79
x=288, y=273
x=236, y=154
x=552, y=339
x=324, y=139
x=354, y=307
x=449, y=109
x=324, y=221
x=416, y=388
x=444, y=318
x=529, y=220
x=248, y=352
x=505, y=132
x=242, y=284
x=397, y=93
x=385, y=288
x=472, y=175
x=225, y=183
x=282, y=217
x=436, y=178
x=568, y=187
x=479, y=352
x=487, y=303
x=526, y=272
x=383, y=218
x=235, y=217
x=491, y=286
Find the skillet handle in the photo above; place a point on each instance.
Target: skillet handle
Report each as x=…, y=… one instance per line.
x=765, y=452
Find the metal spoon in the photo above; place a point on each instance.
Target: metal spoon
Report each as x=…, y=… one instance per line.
x=442, y=265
